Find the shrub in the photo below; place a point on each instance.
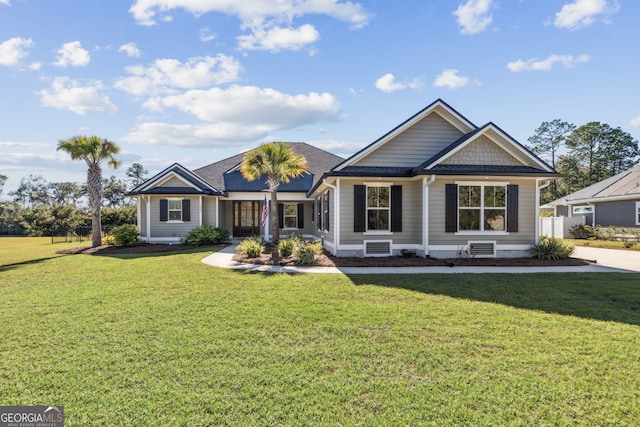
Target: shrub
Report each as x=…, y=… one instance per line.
x=550, y=248
x=125, y=235
x=108, y=239
x=305, y=254
x=206, y=235
x=286, y=246
x=582, y=231
x=251, y=247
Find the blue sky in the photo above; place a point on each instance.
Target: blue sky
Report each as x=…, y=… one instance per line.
x=195, y=81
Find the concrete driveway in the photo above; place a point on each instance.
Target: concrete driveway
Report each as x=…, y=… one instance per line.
x=616, y=258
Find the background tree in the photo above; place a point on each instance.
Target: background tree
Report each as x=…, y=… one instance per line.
x=94, y=151
x=114, y=191
x=278, y=163
x=32, y=191
x=66, y=193
x=136, y=174
x=3, y=181
x=548, y=141
x=601, y=151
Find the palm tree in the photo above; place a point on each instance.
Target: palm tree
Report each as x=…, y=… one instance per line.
x=93, y=150
x=279, y=163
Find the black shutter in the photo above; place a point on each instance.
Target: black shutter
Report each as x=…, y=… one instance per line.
x=164, y=210
x=313, y=211
x=359, y=208
x=280, y=215
x=396, y=208
x=186, y=210
x=300, y=215
x=512, y=208
x=451, y=208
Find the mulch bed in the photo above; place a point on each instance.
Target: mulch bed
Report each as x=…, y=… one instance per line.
x=326, y=260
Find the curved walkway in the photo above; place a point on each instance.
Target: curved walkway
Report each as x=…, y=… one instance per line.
x=223, y=259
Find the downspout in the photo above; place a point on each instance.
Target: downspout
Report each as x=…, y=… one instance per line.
x=336, y=214
x=425, y=212
x=537, y=224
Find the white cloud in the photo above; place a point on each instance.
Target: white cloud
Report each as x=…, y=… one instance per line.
x=72, y=54
x=252, y=12
x=130, y=49
x=5, y=2
x=473, y=16
x=277, y=39
x=582, y=13
x=635, y=123
x=13, y=50
x=236, y=114
x=534, y=64
x=450, y=78
x=388, y=84
x=35, y=66
x=166, y=75
x=206, y=35
x=67, y=94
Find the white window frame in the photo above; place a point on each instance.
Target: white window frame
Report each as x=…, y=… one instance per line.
x=367, y=208
x=637, y=213
x=482, y=185
x=325, y=211
x=285, y=216
x=169, y=210
x=582, y=209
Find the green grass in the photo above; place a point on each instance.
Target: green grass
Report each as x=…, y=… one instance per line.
x=167, y=340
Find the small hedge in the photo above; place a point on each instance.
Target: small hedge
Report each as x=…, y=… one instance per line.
x=251, y=247
x=550, y=248
x=206, y=235
x=125, y=235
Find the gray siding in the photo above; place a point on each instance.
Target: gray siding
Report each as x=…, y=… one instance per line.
x=482, y=151
x=173, y=229
x=526, y=215
x=415, y=145
x=411, y=214
x=209, y=211
x=621, y=213
x=174, y=182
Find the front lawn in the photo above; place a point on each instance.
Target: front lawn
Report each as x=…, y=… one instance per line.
x=167, y=340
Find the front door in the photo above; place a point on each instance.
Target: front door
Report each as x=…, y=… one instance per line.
x=246, y=218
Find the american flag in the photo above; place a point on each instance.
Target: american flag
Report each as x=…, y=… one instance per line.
x=265, y=212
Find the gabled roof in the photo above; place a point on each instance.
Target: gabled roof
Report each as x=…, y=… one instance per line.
x=438, y=106
x=193, y=183
x=623, y=186
x=225, y=174
x=486, y=130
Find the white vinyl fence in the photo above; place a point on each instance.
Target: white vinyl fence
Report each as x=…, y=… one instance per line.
x=559, y=226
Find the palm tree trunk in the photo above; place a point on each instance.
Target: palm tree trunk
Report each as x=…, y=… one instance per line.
x=94, y=188
x=275, y=227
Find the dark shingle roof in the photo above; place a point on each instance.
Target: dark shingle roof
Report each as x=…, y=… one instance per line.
x=176, y=190
x=486, y=170
x=376, y=171
x=219, y=174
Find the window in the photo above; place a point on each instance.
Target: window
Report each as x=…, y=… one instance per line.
x=482, y=207
x=175, y=210
x=325, y=207
x=378, y=208
x=637, y=213
x=582, y=209
x=290, y=215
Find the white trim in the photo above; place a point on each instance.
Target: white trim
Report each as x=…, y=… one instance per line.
x=425, y=212
x=201, y=208
x=378, y=233
x=217, y=211
x=481, y=233
x=149, y=217
x=378, y=183
x=255, y=196
x=637, y=212
x=483, y=183
x=463, y=125
x=161, y=177
x=498, y=247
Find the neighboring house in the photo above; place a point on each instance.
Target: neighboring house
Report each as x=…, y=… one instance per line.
x=436, y=184
x=613, y=201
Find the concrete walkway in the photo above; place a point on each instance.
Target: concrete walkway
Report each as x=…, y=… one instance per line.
x=615, y=258
x=605, y=263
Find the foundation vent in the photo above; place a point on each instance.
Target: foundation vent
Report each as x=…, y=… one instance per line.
x=377, y=248
x=482, y=249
